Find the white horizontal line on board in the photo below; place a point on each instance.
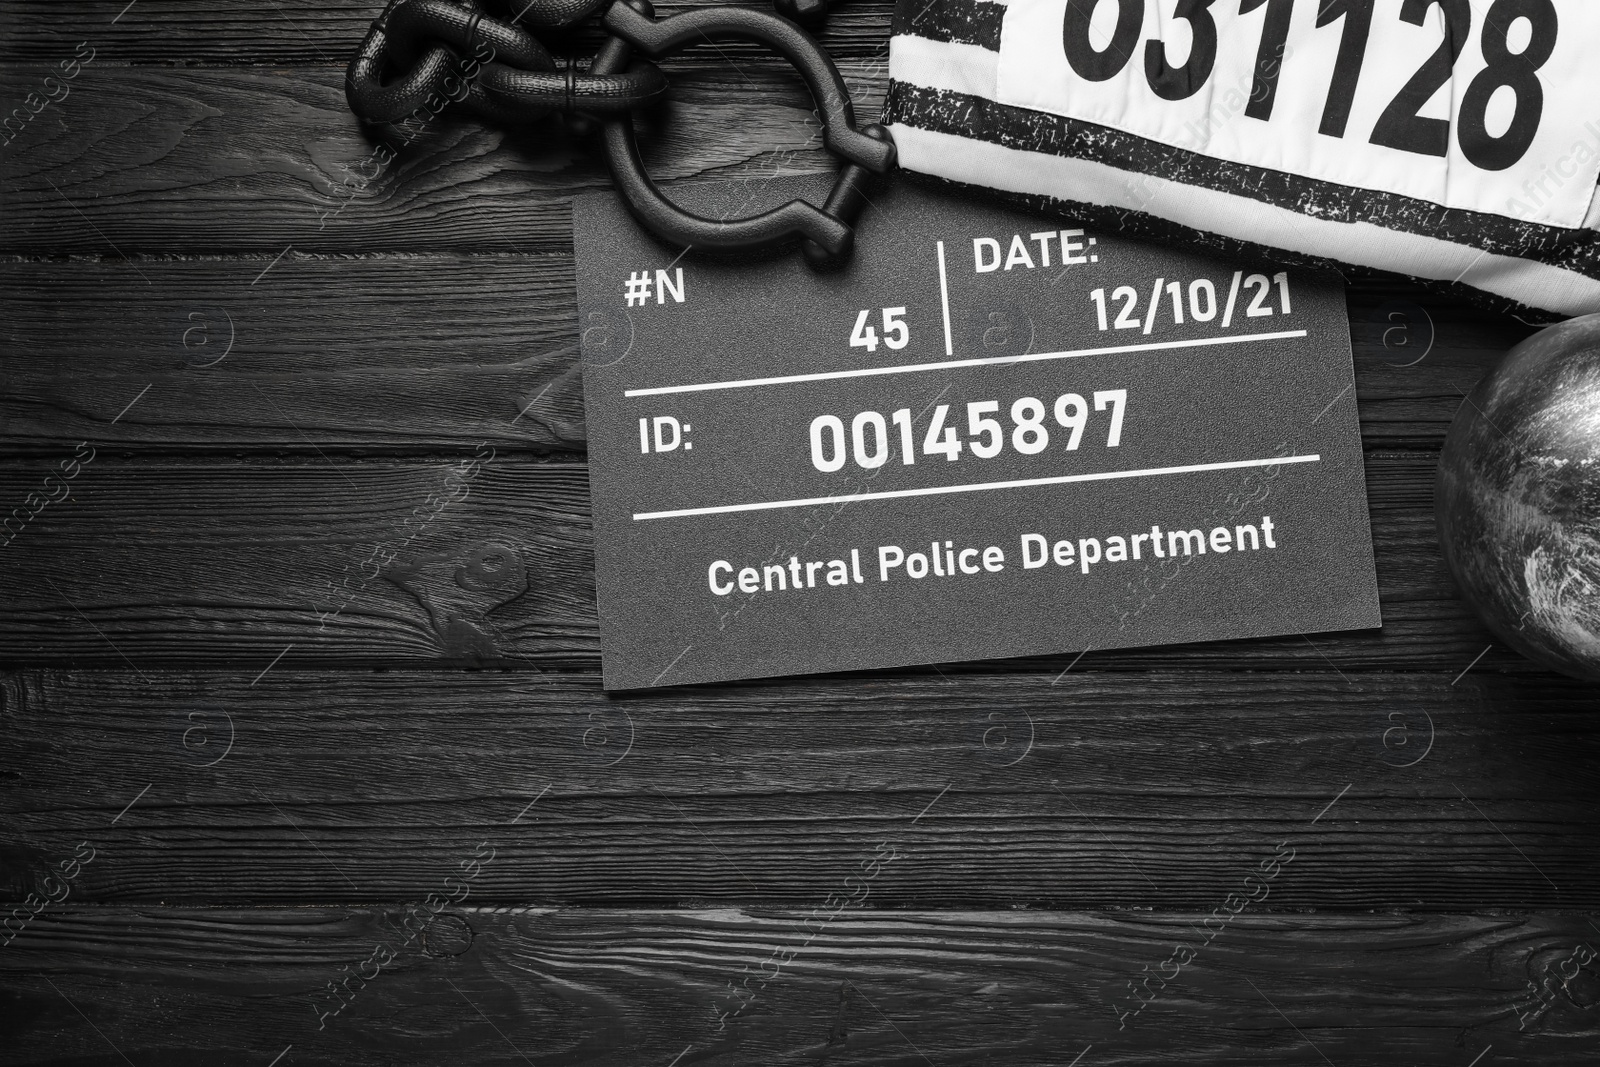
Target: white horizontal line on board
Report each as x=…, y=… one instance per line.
x=949, y=364
x=978, y=487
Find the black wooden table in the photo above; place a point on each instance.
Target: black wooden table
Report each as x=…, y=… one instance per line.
x=266, y=800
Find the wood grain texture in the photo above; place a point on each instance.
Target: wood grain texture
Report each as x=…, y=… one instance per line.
x=260, y=541
x=1094, y=790
x=312, y=31
x=393, y=353
x=441, y=352
x=358, y=562
x=140, y=161
x=586, y=987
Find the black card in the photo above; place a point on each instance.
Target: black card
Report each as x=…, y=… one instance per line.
x=993, y=434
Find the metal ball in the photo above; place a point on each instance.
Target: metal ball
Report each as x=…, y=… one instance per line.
x=1517, y=501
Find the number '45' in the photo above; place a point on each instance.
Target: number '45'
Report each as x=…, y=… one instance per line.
x=895, y=334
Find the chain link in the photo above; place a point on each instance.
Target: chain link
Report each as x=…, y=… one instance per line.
x=421, y=56
x=416, y=49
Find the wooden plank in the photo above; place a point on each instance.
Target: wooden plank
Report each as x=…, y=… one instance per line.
x=351, y=559
x=232, y=561
x=114, y=986
x=247, y=160
x=1417, y=356
x=392, y=353
x=270, y=164
x=404, y=353
x=1124, y=790
x=310, y=31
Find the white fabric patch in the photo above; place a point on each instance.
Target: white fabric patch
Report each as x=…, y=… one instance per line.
x=958, y=68
x=1085, y=181
x=1515, y=134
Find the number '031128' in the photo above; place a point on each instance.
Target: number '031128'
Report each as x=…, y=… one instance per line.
x=1509, y=64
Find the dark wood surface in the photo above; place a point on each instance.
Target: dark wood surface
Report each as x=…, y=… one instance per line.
x=519, y=986
x=279, y=752
x=1108, y=790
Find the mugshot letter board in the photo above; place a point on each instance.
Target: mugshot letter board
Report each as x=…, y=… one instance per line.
x=992, y=434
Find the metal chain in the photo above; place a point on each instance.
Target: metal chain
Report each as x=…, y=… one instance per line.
x=421, y=56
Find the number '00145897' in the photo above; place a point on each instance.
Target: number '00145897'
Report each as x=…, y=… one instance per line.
x=871, y=443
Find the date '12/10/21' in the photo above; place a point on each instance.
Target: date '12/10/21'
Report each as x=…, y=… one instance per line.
x=870, y=437
x=1201, y=301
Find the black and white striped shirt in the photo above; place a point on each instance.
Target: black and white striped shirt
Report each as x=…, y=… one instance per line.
x=1474, y=179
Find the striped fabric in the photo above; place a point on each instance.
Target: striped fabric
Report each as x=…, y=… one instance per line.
x=942, y=108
